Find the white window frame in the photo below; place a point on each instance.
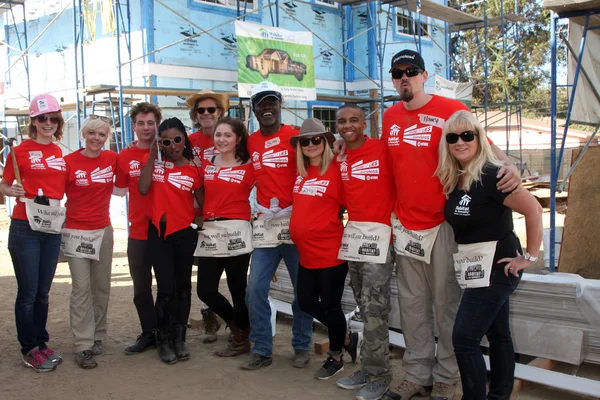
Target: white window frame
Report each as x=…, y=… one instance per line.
x=230, y=4
x=327, y=3
x=425, y=23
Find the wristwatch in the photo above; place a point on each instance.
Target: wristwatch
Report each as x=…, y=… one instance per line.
x=529, y=257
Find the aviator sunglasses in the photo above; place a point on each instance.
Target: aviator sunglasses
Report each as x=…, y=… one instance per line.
x=211, y=110
x=43, y=118
x=101, y=118
x=410, y=72
x=316, y=140
x=466, y=136
x=176, y=140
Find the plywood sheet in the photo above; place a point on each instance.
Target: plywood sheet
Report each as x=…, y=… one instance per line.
x=580, y=251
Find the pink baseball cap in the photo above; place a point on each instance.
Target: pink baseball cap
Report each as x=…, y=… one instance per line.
x=43, y=104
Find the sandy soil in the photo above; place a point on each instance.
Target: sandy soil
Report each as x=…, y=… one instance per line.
x=143, y=376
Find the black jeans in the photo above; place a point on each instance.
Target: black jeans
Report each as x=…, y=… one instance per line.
x=210, y=270
x=140, y=269
x=172, y=257
x=484, y=311
x=320, y=295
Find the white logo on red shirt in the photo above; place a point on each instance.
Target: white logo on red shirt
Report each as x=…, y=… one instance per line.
x=272, y=142
x=462, y=208
x=135, y=168
x=35, y=157
x=299, y=180
x=158, y=174
x=229, y=175
x=56, y=163
x=368, y=171
x=313, y=187
x=210, y=153
x=81, y=178
x=182, y=182
x=256, y=160
x=197, y=152
x=275, y=160
x=102, y=176
x=418, y=137
x=393, y=139
x=209, y=173
x=344, y=170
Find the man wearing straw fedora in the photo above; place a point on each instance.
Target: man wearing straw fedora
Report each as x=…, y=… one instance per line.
x=273, y=159
x=206, y=108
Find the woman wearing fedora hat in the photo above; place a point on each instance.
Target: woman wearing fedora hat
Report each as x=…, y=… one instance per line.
x=316, y=229
x=206, y=108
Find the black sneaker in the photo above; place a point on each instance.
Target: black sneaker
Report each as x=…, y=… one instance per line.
x=353, y=349
x=144, y=342
x=330, y=367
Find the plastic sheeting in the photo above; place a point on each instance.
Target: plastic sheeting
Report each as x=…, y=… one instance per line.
x=586, y=107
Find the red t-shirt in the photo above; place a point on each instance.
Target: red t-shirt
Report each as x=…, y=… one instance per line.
x=42, y=167
x=368, y=182
x=202, y=146
x=227, y=191
x=413, y=138
x=274, y=161
x=172, y=194
x=315, y=226
x=129, y=168
x=89, y=187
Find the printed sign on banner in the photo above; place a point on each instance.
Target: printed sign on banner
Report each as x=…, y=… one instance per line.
x=277, y=55
x=454, y=90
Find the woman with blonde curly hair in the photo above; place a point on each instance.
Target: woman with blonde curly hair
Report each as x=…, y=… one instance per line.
x=490, y=259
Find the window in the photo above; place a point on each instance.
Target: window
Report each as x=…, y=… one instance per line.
x=249, y=5
x=326, y=3
x=327, y=117
x=406, y=25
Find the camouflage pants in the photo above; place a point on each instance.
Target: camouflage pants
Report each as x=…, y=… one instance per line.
x=371, y=285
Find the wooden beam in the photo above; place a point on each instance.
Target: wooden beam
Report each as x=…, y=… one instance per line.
x=542, y=363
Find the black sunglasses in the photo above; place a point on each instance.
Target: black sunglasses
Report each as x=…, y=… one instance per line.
x=466, y=136
x=410, y=72
x=43, y=118
x=316, y=140
x=176, y=140
x=211, y=110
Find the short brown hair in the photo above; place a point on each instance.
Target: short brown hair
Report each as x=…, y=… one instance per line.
x=145, y=108
x=32, y=131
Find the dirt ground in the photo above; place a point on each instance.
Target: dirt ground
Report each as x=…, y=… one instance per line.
x=143, y=376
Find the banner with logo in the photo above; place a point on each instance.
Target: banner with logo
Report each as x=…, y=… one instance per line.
x=454, y=90
x=280, y=56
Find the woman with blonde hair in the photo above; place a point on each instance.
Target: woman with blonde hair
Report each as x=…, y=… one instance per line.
x=90, y=177
x=316, y=229
x=490, y=259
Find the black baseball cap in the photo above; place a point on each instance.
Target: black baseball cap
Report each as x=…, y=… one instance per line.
x=408, y=57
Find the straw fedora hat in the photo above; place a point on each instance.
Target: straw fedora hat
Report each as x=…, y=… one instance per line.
x=221, y=99
x=312, y=127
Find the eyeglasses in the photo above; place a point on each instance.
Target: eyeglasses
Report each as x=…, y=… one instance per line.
x=410, y=72
x=211, y=110
x=466, y=136
x=101, y=118
x=176, y=140
x=316, y=140
x=43, y=118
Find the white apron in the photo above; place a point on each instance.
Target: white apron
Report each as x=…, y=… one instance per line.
x=82, y=243
x=365, y=242
x=271, y=233
x=414, y=244
x=49, y=219
x=224, y=238
x=473, y=264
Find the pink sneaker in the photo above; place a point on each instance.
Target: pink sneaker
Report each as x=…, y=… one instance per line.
x=38, y=361
x=51, y=355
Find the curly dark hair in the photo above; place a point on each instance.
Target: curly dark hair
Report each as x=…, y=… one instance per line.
x=175, y=123
x=239, y=128
x=145, y=108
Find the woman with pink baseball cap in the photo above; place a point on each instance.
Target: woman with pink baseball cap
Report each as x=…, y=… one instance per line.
x=38, y=183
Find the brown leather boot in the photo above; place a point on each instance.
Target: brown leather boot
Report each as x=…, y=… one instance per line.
x=211, y=325
x=239, y=345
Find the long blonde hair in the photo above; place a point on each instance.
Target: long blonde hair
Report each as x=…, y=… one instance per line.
x=449, y=169
x=302, y=161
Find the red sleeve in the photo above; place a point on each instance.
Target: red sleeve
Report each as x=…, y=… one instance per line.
x=199, y=181
x=9, y=172
x=122, y=177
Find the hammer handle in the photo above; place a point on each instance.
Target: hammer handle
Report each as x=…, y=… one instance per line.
x=15, y=165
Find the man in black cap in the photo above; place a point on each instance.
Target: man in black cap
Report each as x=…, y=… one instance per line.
x=424, y=242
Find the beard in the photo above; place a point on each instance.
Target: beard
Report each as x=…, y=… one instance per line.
x=406, y=95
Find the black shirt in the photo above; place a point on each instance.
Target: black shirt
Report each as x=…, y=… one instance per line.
x=479, y=215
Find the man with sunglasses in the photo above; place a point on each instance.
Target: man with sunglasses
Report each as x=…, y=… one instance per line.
x=274, y=161
x=423, y=241
x=145, y=118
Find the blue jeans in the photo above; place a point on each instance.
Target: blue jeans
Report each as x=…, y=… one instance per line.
x=485, y=311
x=262, y=268
x=34, y=256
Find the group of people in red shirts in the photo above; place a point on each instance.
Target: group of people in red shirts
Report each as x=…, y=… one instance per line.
x=189, y=197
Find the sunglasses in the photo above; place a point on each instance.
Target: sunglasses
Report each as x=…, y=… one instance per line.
x=168, y=142
x=410, y=72
x=43, y=118
x=316, y=140
x=101, y=118
x=211, y=110
x=466, y=136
